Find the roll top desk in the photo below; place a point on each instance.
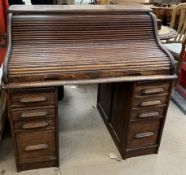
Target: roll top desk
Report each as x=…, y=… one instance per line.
x=114, y=46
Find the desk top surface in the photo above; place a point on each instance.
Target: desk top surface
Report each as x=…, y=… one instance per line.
x=76, y=8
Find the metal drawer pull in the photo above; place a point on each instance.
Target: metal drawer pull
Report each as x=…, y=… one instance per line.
x=153, y=91
x=148, y=115
x=143, y=135
x=33, y=99
x=150, y=103
x=34, y=114
x=36, y=147
x=35, y=125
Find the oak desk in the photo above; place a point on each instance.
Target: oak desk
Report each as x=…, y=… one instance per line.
x=163, y=13
x=51, y=46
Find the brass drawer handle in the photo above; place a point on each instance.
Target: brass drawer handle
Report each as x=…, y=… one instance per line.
x=150, y=103
x=153, y=91
x=34, y=114
x=148, y=115
x=35, y=125
x=36, y=147
x=143, y=135
x=33, y=99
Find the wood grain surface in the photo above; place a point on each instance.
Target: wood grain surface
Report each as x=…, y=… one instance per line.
x=104, y=42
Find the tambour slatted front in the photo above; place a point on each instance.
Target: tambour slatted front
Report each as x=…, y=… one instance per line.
x=78, y=28
x=116, y=46
x=61, y=38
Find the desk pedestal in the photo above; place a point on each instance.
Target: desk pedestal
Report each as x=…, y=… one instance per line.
x=135, y=114
x=33, y=119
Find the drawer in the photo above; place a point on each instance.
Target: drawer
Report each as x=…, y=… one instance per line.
x=151, y=88
x=33, y=113
x=147, y=113
x=36, y=146
x=152, y=101
x=153, y=149
x=28, y=99
x=143, y=133
x=34, y=125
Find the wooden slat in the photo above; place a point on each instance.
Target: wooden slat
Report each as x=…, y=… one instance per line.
x=84, y=44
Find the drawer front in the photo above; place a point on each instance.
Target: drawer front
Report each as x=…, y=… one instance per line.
x=27, y=99
x=143, y=133
x=148, y=113
x=34, y=125
x=33, y=113
x=152, y=88
x=36, y=146
x=153, y=101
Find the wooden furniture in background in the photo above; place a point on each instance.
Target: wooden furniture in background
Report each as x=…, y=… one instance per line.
x=179, y=24
x=165, y=2
x=163, y=13
x=120, y=2
x=51, y=46
x=175, y=45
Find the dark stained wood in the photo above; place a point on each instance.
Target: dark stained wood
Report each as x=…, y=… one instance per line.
x=33, y=99
x=148, y=113
x=33, y=113
x=141, y=151
x=136, y=129
x=149, y=101
x=115, y=46
x=26, y=99
x=119, y=113
x=34, y=127
x=3, y=113
x=76, y=36
x=165, y=113
x=121, y=108
x=36, y=147
x=106, y=97
x=26, y=141
x=153, y=91
x=172, y=71
x=35, y=165
x=142, y=87
x=90, y=81
x=143, y=133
